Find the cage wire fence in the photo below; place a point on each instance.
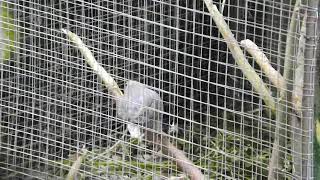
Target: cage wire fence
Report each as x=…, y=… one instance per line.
x=54, y=106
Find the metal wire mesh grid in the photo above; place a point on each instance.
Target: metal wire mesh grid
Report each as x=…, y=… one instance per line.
x=53, y=104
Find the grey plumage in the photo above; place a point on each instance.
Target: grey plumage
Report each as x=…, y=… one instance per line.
x=141, y=105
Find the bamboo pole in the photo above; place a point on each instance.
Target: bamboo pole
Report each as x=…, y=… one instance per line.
x=308, y=91
x=316, y=142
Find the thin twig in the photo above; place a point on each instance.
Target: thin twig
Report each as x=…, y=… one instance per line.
x=181, y=177
x=112, y=148
x=222, y=6
x=239, y=57
x=274, y=76
x=76, y=165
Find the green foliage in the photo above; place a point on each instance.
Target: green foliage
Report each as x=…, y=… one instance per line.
x=99, y=163
x=226, y=151
x=8, y=30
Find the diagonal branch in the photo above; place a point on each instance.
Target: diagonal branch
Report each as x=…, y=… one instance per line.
x=246, y=68
x=108, y=81
x=274, y=76
x=182, y=161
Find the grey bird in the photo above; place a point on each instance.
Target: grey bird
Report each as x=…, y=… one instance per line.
x=141, y=105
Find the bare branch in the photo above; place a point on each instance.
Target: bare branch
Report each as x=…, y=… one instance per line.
x=274, y=76
x=239, y=57
x=108, y=81
x=297, y=92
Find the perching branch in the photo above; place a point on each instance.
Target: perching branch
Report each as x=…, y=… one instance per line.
x=297, y=95
x=108, y=81
x=239, y=57
x=258, y=85
x=182, y=161
x=290, y=42
x=297, y=92
x=276, y=161
x=274, y=76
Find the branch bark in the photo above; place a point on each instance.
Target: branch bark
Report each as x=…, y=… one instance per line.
x=276, y=160
x=274, y=76
x=297, y=95
x=108, y=81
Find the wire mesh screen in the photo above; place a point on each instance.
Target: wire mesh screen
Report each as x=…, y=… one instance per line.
x=59, y=121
